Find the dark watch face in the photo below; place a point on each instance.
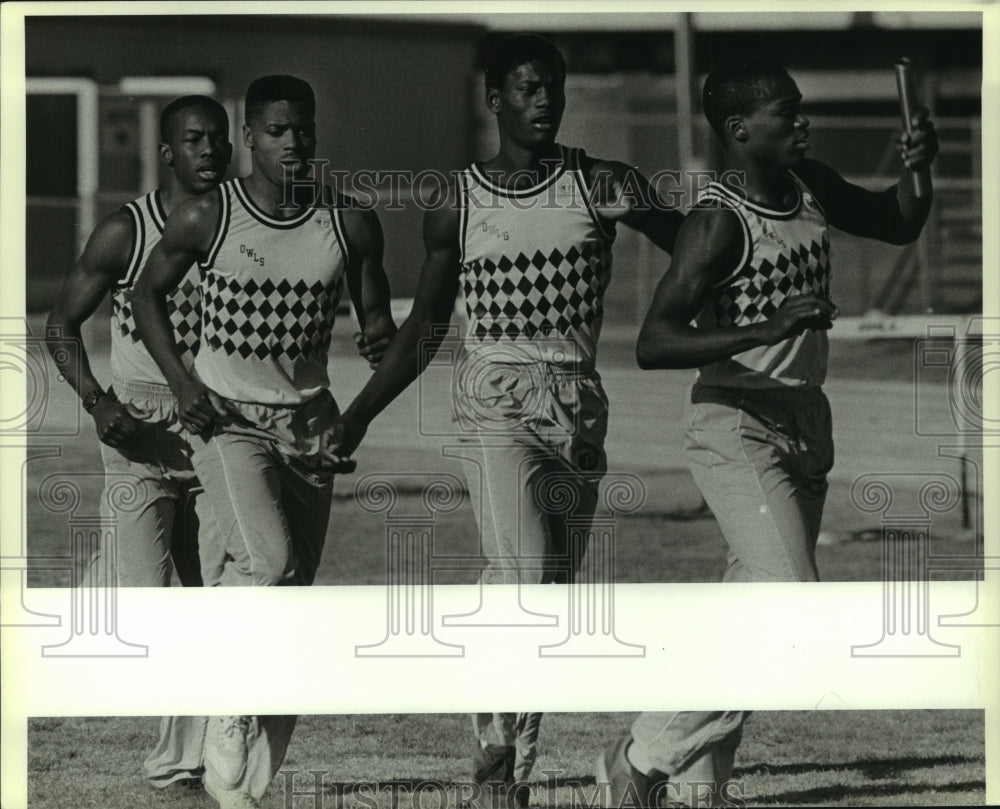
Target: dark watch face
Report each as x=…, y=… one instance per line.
x=90, y=399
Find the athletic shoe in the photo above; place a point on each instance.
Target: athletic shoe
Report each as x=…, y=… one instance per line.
x=182, y=786
x=237, y=800
x=621, y=785
x=226, y=748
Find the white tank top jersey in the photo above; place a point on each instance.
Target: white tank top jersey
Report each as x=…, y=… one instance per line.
x=785, y=253
x=270, y=289
x=130, y=362
x=536, y=263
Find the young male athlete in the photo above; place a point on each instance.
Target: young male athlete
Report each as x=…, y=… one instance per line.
x=275, y=249
x=527, y=236
x=752, y=268
x=136, y=417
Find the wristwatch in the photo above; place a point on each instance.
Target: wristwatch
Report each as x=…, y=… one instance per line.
x=90, y=399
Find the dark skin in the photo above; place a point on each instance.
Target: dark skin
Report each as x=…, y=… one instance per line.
x=763, y=145
x=282, y=140
x=198, y=152
x=528, y=110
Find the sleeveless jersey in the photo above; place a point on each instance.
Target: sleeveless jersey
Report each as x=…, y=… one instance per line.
x=270, y=289
x=130, y=362
x=535, y=266
x=785, y=253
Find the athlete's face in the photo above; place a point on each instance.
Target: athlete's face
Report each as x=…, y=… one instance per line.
x=199, y=149
x=282, y=138
x=530, y=106
x=777, y=133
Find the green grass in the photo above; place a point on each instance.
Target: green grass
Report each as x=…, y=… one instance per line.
x=825, y=758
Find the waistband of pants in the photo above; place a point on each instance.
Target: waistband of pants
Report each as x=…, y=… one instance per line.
x=129, y=389
x=783, y=395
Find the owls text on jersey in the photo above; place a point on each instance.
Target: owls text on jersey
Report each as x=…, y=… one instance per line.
x=130, y=361
x=270, y=289
x=785, y=253
x=536, y=263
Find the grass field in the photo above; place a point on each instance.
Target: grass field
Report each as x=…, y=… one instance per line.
x=823, y=758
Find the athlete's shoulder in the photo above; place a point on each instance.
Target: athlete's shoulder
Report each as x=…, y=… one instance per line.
x=199, y=213
x=111, y=242
x=711, y=232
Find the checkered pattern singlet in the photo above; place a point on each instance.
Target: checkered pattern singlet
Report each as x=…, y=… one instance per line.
x=130, y=362
x=535, y=265
x=270, y=289
x=785, y=253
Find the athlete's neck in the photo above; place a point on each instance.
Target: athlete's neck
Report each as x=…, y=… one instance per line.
x=517, y=167
x=281, y=201
x=173, y=194
x=768, y=185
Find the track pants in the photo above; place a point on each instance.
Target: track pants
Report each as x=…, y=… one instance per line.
x=151, y=497
x=271, y=512
x=497, y=732
x=533, y=464
x=760, y=459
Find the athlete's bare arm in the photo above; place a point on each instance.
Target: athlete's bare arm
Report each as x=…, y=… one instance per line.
x=623, y=194
x=187, y=237
x=421, y=333
x=368, y=284
x=894, y=215
x=101, y=266
x=709, y=246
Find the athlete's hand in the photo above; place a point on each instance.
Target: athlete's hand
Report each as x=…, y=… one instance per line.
x=198, y=407
x=373, y=342
x=922, y=145
x=347, y=435
x=115, y=425
x=798, y=313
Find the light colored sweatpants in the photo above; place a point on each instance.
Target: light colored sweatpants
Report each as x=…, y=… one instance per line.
x=533, y=463
x=179, y=752
x=695, y=749
x=760, y=459
x=151, y=496
x=496, y=732
x=269, y=508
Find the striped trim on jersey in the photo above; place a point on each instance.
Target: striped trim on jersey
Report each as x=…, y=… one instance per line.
x=226, y=213
x=154, y=207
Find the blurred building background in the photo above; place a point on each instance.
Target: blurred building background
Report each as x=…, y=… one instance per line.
x=405, y=93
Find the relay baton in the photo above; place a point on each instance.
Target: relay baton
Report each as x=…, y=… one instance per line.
x=906, y=85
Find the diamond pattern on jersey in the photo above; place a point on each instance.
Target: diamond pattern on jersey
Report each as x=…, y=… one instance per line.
x=523, y=296
x=268, y=319
x=182, y=307
x=757, y=292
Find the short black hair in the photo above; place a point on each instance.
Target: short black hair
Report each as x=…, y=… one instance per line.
x=517, y=49
x=268, y=89
x=168, y=118
x=737, y=86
